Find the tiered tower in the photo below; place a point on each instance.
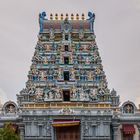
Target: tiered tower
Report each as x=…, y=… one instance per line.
x=66, y=65
x=66, y=76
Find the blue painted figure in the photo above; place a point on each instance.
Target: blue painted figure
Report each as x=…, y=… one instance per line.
x=91, y=19
x=41, y=20
x=78, y=46
x=91, y=16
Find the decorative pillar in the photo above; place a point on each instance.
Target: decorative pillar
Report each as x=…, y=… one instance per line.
x=138, y=126
x=52, y=129
x=115, y=131
x=82, y=128
x=21, y=129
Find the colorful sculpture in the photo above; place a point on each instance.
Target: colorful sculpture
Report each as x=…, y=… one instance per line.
x=66, y=41
x=41, y=20
x=91, y=19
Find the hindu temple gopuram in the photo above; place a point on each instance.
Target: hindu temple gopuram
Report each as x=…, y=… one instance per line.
x=66, y=96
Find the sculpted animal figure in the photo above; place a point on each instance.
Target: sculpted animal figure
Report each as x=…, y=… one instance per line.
x=91, y=16
x=41, y=20
x=91, y=19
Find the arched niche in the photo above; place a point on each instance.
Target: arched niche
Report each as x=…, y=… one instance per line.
x=10, y=107
x=128, y=108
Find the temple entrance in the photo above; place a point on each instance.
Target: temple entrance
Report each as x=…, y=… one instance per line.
x=68, y=133
x=67, y=129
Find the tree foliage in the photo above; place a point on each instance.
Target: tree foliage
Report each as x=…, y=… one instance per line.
x=9, y=132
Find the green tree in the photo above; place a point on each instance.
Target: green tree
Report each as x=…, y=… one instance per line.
x=9, y=132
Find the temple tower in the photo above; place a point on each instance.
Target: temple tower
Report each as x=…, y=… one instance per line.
x=66, y=95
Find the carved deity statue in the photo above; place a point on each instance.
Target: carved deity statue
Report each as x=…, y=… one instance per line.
x=10, y=108
x=93, y=94
x=41, y=20
x=101, y=91
x=47, y=47
x=91, y=19
x=60, y=74
x=57, y=95
x=71, y=58
x=90, y=75
x=98, y=70
x=81, y=34
x=76, y=94
x=42, y=75
x=128, y=108
x=51, y=96
x=37, y=57
x=82, y=95
x=72, y=74
x=48, y=95
x=87, y=60
x=52, y=34
x=39, y=94
x=31, y=89
x=46, y=60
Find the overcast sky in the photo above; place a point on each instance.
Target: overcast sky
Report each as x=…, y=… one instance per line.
x=117, y=28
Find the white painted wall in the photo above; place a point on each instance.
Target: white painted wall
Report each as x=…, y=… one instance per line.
x=119, y=133
x=136, y=136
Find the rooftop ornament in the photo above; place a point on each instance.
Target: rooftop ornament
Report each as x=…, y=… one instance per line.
x=67, y=16
x=83, y=16
x=72, y=17
x=41, y=20
x=91, y=19
x=51, y=16
x=56, y=16
x=77, y=16
x=61, y=16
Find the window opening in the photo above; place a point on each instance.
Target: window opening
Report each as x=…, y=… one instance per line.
x=66, y=95
x=66, y=48
x=66, y=75
x=66, y=60
x=66, y=37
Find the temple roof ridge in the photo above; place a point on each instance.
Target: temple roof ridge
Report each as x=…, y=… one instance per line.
x=76, y=21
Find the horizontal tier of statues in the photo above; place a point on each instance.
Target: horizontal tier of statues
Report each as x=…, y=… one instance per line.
x=72, y=47
x=79, y=75
x=56, y=94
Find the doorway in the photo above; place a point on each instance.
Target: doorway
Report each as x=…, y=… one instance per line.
x=68, y=133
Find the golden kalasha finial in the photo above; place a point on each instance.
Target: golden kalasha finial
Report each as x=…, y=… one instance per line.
x=67, y=16
x=83, y=16
x=77, y=16
x=56, y=16
x=61, y=16
x=72, y=17
x=51, y=16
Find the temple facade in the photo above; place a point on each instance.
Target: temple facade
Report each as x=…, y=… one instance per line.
x=66, y=96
